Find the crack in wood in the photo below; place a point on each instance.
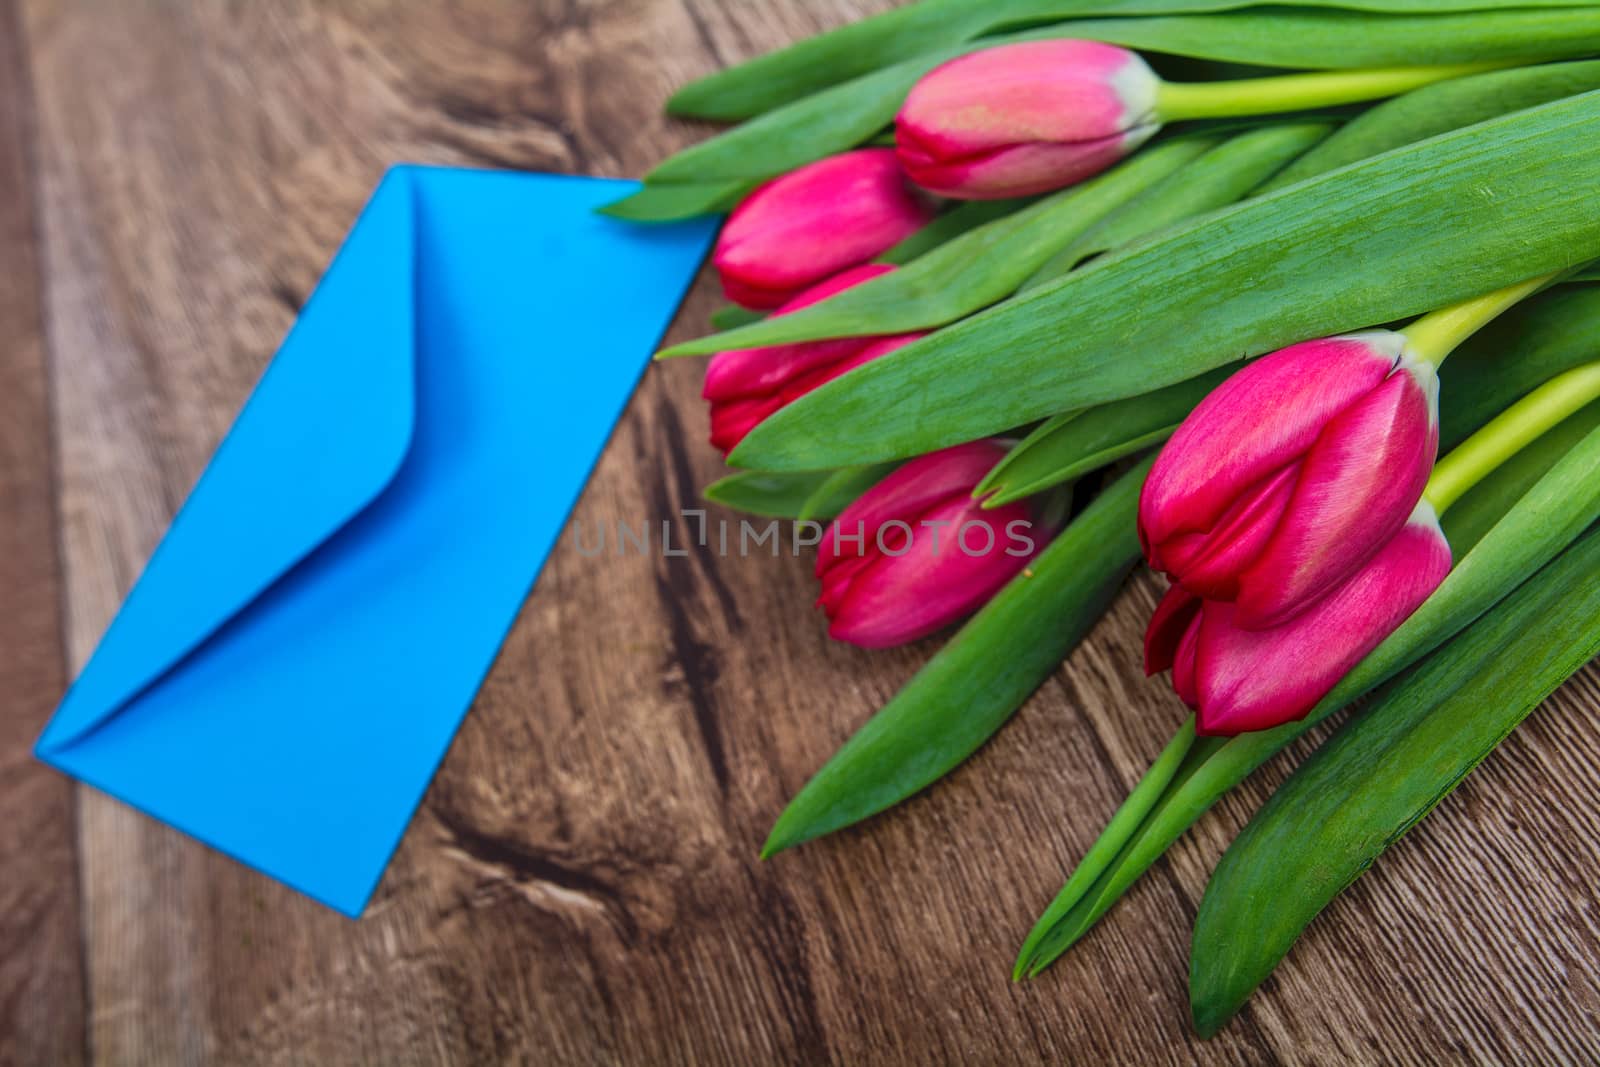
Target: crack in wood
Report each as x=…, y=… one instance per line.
x=523, y=865
x=677, y=588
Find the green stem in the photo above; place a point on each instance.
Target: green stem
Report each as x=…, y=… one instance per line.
x=1435, y=335
x=1511, y=431
x=1177, y=101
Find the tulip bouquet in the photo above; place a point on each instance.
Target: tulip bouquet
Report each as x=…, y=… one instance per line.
x=1026, y=290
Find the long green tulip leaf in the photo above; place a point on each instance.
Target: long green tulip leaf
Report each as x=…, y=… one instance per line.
x=1524, y=348
x=1351, y=39
x=1068, y=446
x=1487, y=502
x=1440, y=108
x=1543, y=522
x=953, y=223
x=979, y=679
x=732, y=316
x=1503, y=201
x=841, y=489
x=859, y=48
x=1382, y=773
x=679, y=200
x=968, y=272
x=1220, y=177
x=778, y=495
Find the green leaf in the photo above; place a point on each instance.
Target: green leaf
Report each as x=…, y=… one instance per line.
x=1522, y=349
x=668, y=202
x=844, y=116
x=979, y=679
x=1348, y=40
x=1437, y=109
x=734, y=316
x=1068, y=446
x=1370, y=243
x=858, y=48
x=776, y=495
x=966, y=273
x=815, y=63
x=1220, y=177
x=1560, y=506
x=1485, y=503
x=966, y=215
x=841, y=489
x=808, y=129
x=1382, y=773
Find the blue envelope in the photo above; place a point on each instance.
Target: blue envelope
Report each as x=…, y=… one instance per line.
x=286, y=675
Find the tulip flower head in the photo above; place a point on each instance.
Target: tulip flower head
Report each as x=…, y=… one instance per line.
x=800, y=228
x=1292, y=474
x=917, y=552
x=746, y=385
x=1025, y=118
x=1238, y=679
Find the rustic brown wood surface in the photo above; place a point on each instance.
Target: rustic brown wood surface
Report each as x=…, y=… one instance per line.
x=580, y=885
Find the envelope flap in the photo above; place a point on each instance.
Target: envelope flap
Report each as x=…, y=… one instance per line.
x=320, y=438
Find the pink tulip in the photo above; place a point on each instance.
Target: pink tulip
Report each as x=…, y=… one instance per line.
x=1025, y=118
x=1239, y=680
x=1292, y=473
x=813, y=222
x=916, y=551
x=746, y=385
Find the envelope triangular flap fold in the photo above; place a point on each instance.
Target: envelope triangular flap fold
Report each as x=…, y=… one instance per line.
x=291, y=667
x=278, y=487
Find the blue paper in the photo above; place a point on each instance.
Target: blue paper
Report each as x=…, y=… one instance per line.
x=290, y=668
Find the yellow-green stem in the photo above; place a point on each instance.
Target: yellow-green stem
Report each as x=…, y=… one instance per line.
x=1438, y=333
x=1511, y=431
x=1177, y=101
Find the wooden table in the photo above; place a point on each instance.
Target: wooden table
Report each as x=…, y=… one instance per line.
x=581, y=883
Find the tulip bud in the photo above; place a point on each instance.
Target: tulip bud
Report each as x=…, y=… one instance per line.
x=916, y=551
x=1025, y=118
x=1292, y=473
x=746, y=385
x=798, y=229
x=1239, y=680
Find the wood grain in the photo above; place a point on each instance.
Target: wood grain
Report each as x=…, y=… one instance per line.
x=41, y=968
x=580, y=885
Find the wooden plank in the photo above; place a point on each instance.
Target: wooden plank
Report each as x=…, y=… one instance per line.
x=41, y=962
x=581, y=884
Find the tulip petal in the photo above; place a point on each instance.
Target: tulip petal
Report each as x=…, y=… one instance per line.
x=911, y=489
x=1184, y=663
x=743, y=371
x=837, y=578
x=939, y=578
x=1357, y=486
x=1257, y=679
x=731, y=420
x=1259, y=421
x=1209, y=564
x=1059, y=90
x=1168, y=624
x=1020, y=169
x=804, y=226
